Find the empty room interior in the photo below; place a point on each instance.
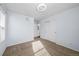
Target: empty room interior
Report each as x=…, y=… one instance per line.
x=39, y=29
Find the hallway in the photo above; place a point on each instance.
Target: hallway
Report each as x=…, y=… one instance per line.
x=39, y=47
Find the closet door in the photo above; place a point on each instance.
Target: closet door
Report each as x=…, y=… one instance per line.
x=2, y=26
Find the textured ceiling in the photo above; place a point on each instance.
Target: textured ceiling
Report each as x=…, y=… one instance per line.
x=30, y=9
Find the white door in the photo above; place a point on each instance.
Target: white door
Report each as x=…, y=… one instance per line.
x=2, y=26
x=2, y=34
x=52, y=30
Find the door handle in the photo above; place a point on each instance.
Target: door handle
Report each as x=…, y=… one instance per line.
x=2, y=27
x=55, y=32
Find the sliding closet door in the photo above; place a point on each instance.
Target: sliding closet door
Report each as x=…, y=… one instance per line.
x=2, y=26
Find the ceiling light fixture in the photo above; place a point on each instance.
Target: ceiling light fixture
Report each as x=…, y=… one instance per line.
x=42, y=7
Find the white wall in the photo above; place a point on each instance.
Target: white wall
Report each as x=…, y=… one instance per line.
x=67, y=29
x=36, y=31
x=20, y=28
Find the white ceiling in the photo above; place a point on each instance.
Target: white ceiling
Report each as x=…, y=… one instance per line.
x=30, y=9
